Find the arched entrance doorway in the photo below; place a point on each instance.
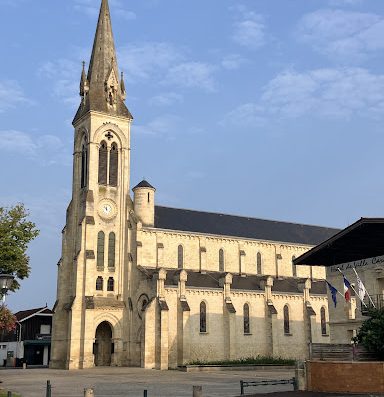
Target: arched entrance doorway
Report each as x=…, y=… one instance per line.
x=103, y=345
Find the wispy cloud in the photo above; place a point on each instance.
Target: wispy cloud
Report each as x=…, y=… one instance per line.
x=148, y=60
x=166, y=99
x=249, y=28
x=166, y=125
x=91, y=8
x=11, y=94
x=44, y=149
x=65, y=76
x=339, y=3
x=192, y=74
x=342, y=93
x=232, y=61
x=341, y=34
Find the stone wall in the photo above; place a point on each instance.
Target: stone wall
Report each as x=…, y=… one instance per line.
x=345, y=377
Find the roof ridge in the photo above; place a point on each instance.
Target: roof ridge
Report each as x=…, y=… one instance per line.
x=248, y=217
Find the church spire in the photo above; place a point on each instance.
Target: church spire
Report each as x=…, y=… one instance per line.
x=105, y=93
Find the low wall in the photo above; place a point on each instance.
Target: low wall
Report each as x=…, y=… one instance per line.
x=344, y=377
x=249, y=367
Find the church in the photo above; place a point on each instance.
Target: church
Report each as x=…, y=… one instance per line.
x=158, y=287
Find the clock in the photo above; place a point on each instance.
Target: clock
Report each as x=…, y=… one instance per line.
x=107, y=209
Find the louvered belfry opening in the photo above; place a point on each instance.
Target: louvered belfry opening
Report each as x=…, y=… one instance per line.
x=84, y=165
x=103, y=162
x=113, y=165
x=111, y=250
x=100, y=250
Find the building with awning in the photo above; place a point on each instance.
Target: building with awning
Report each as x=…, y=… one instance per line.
x=359, y=248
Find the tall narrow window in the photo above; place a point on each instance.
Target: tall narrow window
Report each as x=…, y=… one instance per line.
x=258, y=263
x=84, y=164
x=203, y=317
x=247, y=328
x=180, y=257
x=286, y=320
x=294, y=269
x=111, y=250
x=100, y=250
x=103, y=162
x=221, y=260
x=113, y=165
x=111, y=284
x=323, y=321
x=99, y=283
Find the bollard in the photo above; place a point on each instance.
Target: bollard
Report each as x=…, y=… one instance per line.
x=145, y=393
x=9, y=394
x=89, y=393
x=49, y=389
x=24, y=365
x=197, y=391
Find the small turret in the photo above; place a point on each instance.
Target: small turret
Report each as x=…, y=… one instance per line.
x=84, y=85
x=144, y=203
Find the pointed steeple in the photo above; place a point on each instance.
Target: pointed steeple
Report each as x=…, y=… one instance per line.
x=105, y=93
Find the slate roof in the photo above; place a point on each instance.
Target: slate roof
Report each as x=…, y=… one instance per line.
x=143, y=183
x=27, y=313
x=249, y=282
x=240, y=226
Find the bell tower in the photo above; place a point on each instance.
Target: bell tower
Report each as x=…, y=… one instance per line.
x=92, y=271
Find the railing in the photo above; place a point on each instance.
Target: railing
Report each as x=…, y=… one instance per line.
x=378, y=302
x=268, y=382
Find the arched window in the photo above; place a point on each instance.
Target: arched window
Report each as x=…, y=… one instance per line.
x=84, y=164
x=294, y=270
x=111, y=249
x=286, y=320
x=103, y=162
x=247, y=329
x=100, y=250
x=323, y=321
x=180, y=257
x=258, y=263
x=111, y=284
x=203, y=317
x=221, y=261
x=113, y=165
x=99, y=283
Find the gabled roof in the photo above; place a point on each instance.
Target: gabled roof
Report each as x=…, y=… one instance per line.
x=240, y=226
x=24, y=314
x=363, y=239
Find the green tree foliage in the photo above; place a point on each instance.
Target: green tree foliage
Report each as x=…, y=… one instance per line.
x=16, y=232
x=371, y=333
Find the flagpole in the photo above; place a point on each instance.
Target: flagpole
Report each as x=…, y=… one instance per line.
x=369, y=296
x=356, y=294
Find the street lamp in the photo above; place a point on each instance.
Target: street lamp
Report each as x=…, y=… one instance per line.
x=6, y=281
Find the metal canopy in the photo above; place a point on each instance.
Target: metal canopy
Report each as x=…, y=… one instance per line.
x=363, y=239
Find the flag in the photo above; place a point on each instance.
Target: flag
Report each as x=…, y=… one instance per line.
x=347, y=286
x=334, y=292
x=361, y=291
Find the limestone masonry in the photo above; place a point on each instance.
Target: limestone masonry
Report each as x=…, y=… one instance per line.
x=157, y=287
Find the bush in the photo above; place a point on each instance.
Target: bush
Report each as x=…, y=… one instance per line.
x=259, y=360
x=371, y=333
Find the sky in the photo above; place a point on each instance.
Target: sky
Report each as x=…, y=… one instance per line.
x=266, y=108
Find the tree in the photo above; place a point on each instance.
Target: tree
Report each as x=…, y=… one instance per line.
x=16, y=232
x=7, y=320
x=371, y=333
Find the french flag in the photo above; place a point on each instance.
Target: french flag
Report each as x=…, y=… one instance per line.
x=347, y=292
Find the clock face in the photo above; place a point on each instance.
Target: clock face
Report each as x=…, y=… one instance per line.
x=107, y=209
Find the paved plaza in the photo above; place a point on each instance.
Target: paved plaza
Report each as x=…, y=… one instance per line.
x=131, y=382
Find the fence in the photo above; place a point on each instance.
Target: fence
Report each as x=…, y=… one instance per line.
x=339, y=352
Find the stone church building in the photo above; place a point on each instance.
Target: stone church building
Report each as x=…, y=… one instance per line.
x=158, y=287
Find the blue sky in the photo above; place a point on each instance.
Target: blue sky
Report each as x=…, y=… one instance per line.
x=267, y=108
